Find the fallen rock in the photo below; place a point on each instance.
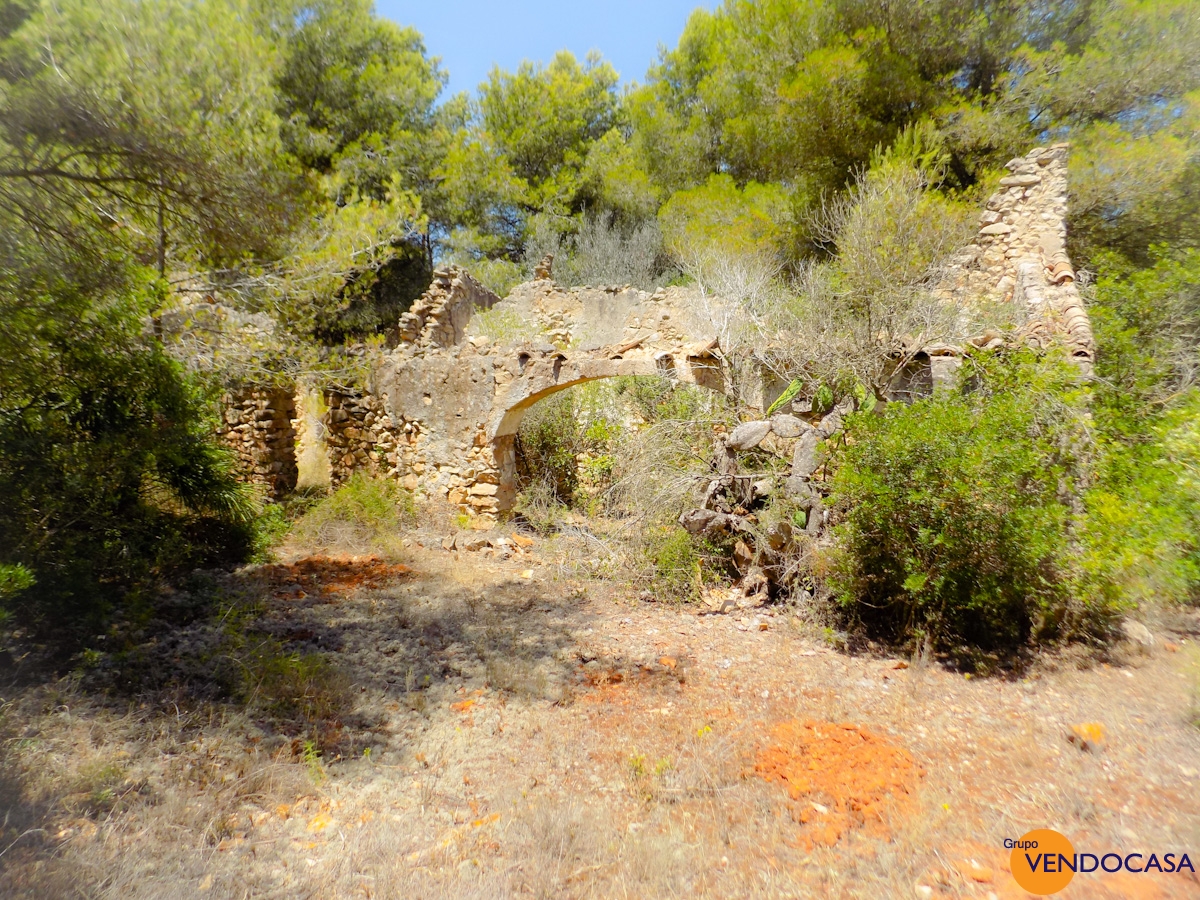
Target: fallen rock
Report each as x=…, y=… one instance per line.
x=473, y=544
x=1138, y=634
x=748, y=435
x=522, y=541
x=448, y=541
x=808, y=456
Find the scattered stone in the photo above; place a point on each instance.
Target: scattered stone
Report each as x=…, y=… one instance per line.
x=1089, y=737
x=1138, y=634
x=521, y=540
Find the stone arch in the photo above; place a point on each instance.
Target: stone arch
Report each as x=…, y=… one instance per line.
x=543, y=378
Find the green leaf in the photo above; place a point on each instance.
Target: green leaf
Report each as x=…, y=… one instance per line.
x=788, y=395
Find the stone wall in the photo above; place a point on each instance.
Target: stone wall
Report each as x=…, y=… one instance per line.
x=1019, y=257
x=443, y=406
x=461, y=402
x=438, y=318
x=257, y=423
x=362, y=436
x=358, y=436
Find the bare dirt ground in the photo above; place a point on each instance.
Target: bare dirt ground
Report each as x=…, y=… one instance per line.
x=502, y=731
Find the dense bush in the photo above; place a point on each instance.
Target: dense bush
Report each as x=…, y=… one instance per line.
x=1142, y=536
x=109, y=474
x=956, y=511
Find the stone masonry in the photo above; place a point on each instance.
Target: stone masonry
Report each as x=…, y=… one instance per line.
x=257, y=424
x=1019, y=256
x=453, y=396
x=443, y=406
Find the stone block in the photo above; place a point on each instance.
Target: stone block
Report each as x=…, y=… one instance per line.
x=788, y=426
x=748, y=435
x=808, y=456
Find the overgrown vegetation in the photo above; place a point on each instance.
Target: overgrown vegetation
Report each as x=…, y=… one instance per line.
x=363, y=515
x=279, y=179
x=956, y=517
x=809, y=162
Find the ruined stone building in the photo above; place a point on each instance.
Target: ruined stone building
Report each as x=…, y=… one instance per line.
x=444, y=404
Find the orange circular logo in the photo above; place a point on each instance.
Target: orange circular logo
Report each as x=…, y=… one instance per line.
x=1043, y=861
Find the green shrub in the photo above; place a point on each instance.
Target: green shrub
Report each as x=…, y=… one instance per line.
x=677, y=565
x=547, y=443
x=682, y=563
x=14, y=579
x=110, y=475
x=956, y=512
x=363, y=513
x=1141, y=535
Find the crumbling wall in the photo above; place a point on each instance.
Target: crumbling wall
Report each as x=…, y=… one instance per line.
x=358, y=435
x=439, y=317
x=456, y=395
x=1019, y=257
x=443, y=406
x=257, y=424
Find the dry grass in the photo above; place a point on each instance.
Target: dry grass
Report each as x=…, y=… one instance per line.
x=526, y=740
x=364, y=515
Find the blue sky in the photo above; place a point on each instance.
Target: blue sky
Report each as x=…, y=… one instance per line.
x=472, y=35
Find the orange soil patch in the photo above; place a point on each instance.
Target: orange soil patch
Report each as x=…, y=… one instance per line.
x=335, y=574
x=839, y=777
